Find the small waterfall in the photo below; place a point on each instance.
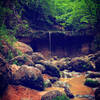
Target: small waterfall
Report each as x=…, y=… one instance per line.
x=50, y=44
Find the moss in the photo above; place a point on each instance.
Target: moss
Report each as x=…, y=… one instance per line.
x=63, y=97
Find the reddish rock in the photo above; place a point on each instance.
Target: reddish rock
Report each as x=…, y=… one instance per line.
x=22, y=47
x=28, y=76
x=20, y=93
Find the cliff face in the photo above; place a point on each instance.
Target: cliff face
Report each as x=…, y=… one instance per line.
x=59, y=44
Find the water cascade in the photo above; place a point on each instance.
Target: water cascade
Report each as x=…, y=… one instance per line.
x=50, y=43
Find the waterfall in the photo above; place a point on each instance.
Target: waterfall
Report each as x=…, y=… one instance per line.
x=50, y=44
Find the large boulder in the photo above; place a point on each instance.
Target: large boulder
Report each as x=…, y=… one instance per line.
x=51, y=95
x=92, y=82
x=79, y=66
x=5, y=73
x=28, y=76
x=50, y=69
x=24, y=48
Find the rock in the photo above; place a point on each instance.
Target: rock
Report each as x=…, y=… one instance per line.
x=28, y=76
x=62, y=63
x=50, y=69
x=47, y=83
x=24, y=48
x=40, y=67
x=66, y=74
x=97, y=94
x=14, y=68
x=61, y=84
x=90, y=97
x=79, y=66
x=93, y=75
x=51, y=95
x=97, y=64
x=22, y=60
x=5, y=73
x=37, y=57
x=92, y=82
x=53, y=79
x=68, y=92
x=20, y=93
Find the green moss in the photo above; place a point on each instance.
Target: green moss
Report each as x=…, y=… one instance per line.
x=63, y=97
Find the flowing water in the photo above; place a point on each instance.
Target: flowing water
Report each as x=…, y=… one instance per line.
x=50, y=44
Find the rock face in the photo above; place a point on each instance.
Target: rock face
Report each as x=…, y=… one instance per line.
x=22, y=47
x=51, y=95
x=4, y=75
x=20, y=93
x=97, y=94
x=28, y=76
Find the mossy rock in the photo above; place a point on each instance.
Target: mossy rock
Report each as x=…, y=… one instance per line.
x=92, y=83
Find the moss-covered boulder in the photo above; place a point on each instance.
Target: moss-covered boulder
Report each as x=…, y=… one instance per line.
x=92, y=82
x=28, y=76
x=50, y=69
x=80, y=66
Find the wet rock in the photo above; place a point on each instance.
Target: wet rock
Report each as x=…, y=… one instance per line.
x=90, y=97
x=62, y=63
x=28, y=76
x=97, y=94
x=50, y=69
x=37, y=57
x=51, y=95
x=40, y=67
x=5, y=73
x=61, y=84
x=24, y=48
x=66, y=74
x=47, y=83
x=97, y=64
x=79, y=66
x=92, y=82
x=21, y=60
x=93, y=75
x=20, y=93
x=53, y=79
x=68, y=92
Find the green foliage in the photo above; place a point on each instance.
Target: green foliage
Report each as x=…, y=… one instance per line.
x=63, y=97
x=4, y=35
x=75, y=12
x=3, y=12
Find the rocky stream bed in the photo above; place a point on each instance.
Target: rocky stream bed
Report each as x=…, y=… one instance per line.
x=33, y=77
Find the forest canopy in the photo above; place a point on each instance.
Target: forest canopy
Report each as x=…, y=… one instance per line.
x=73, y=15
